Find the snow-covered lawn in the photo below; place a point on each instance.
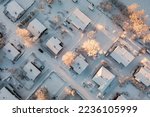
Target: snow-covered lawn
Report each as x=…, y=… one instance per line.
x=72, y=40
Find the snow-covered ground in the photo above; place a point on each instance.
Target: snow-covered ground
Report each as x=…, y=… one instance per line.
x=72, y=40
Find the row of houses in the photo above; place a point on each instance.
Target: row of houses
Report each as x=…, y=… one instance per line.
x=16, y=8
x=103, y=78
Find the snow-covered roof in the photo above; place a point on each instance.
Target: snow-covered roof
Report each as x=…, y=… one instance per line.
x=54, y=45
x=79, y=64
x=14, y=9
x=31, y=71
x=10, y=51
x=103, y=78
x=36, y=27
x=143, y=76
x=79, y=19
x=121, y=55
x=121, y=97
x=5, y=94
x=25, y=3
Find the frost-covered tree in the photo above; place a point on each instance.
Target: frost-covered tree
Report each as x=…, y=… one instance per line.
x=137, y=20
x=137, y=23
x=25, y=36
x=91, y=34
x=69, y=91
x=68, y=58
x=22, y=32
x=91, y=47
x=132, y=7
x=100, y=27
x=56, y=19
x=146, y=38
x=42, y=94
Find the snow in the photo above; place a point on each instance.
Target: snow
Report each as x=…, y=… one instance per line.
x=25, y=3
x=130, y=92
x=53, y=84
x=72, y=41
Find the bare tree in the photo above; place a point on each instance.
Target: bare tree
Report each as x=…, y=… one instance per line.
x=106, y=6
x=118, y=19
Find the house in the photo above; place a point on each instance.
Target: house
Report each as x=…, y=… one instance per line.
x=5, y=94
x=16, y=8
x=79, y=19
x=12, y=53
x=122, y=56
x=32, y=72
x=121, y=97
x=143, y=76
x=13, y=10
x=79, y=64
x=103, y=79
x=36, y=28
x=54, y=45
